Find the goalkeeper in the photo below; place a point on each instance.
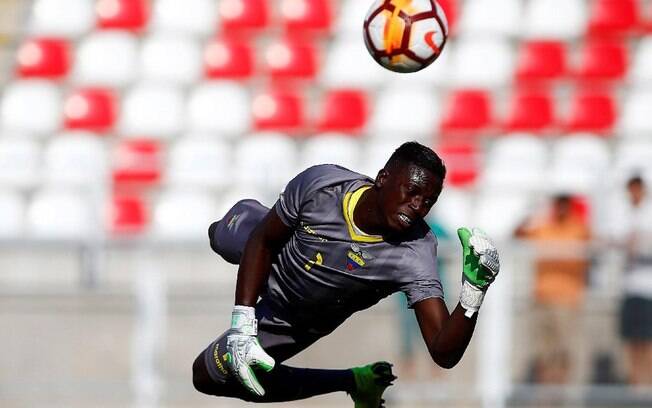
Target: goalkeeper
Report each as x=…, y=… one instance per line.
x=337, y=242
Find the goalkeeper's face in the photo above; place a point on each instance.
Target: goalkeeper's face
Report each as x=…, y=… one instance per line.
x=407, y=193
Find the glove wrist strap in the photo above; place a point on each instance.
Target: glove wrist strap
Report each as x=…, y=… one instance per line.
x=471, y=298
x=243, y=320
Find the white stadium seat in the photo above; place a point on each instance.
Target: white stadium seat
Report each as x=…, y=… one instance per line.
x=374, y=155
x=198, y=17
x=20, y=162
x=636, y=114
x=632, y=157
x=500, y=214
x=61, y=214
x=579, y=164
x=170, y=58
x=482, y=62
x=199, y=162
x=220, y=108
x=331, y=148
x=31, y=107
x=265, y=162
x=351, y=16
x=349, y=64
x=183, y=214
x=491, y=17
x=107, y=58
x=76, y=159
x=152, y=111
x=555, y=19
x=12, y=214
x=405, y=110
x=515, y=163
x=454, y=209
x=52, y=18
x=641, y=71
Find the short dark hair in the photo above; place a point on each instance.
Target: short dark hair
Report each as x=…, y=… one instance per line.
x=419, y=155
x=635, y=179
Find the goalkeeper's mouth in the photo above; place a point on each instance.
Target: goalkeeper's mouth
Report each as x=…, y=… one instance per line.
x=405, y=220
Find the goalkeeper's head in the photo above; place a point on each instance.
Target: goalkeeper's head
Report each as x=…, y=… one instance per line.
x=408, y=186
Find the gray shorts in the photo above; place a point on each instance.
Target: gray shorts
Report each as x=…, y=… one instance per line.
x=278, y=337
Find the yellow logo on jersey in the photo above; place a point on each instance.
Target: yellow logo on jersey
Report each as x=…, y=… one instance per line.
x=318, y=261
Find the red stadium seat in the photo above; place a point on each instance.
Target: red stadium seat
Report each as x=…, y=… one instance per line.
x=313, y=16
x=461, y=163
x=591, y=111
x=467, y=111
x=531, y=111
x=541, y=60
x=131, y=15
x=243, y=15
x=344, y=110
x=91, y=109
x=279, y=110
x=603, y=61
x=128, y=214
x=291, y=59
x=137, y=162
x=609, y=17
x=43, y=57
x=228, y=59
x=451, y=8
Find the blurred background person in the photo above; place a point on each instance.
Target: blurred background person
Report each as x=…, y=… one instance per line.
x=632, y=229
x=559, y=286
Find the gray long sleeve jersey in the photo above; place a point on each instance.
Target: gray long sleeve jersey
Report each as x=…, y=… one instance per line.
x=330, y=269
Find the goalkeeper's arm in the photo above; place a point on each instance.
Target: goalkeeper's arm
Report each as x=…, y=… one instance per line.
x=448, y=335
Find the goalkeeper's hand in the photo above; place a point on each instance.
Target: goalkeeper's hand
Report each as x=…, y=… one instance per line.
x=244, y=352
x=480, y=265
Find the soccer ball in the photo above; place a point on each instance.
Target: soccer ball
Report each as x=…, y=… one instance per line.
x=405, y=35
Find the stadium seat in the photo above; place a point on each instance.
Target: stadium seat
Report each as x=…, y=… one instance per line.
x=579, y=163
x=343, y=110
x=491, y=17
x=636, y=120
x=43, y=57
x=107, y=59
x=221, y=108
x=130, y=15
x=265, y=162
x=603, y=61
x=228, y=59
x=77, y=159
x=454, y=208
x=197, y=17
x=641, y=71
x=633, y=157
x=278, y=110
x=410, y=111
x=48, y=18
x=614, y=17
x=137, y=162
x=530, y=111
x=333, y=148
x=199, y=162
x=515, y=162
x=20, y=162
x=591, y=111
x=375, y=155
x=291, y=59
x=555, y=19
x=360, y=70
x=499, y=214
x=153, y=111
x=350, y=16
x=183, y=215
x=462, y=163
x=467, y=111
x=12, y=214
x=92, y=109
x=541, y=61
x=61, y=214
x=482, y=62
x=31, y=107
x=170, y=59
x=128, y=214
x=243, y=15
x=306, y=16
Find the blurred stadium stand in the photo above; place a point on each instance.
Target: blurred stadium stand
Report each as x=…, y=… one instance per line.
x=127, y=126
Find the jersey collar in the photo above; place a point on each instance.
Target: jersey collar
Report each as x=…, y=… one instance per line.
x=348, y=206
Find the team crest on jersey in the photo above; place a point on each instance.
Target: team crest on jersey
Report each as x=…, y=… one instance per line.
x=356, y=257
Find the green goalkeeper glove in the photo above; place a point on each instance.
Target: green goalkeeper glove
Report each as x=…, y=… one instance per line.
x=480, y=265
x=244, y=351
